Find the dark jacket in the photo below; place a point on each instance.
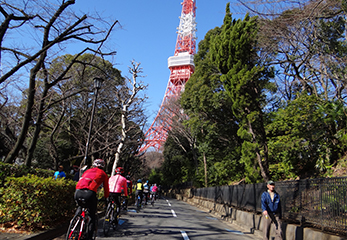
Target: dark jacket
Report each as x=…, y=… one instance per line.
x=269, y=205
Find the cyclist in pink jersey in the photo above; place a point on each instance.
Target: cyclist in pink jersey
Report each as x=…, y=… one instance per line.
x=118, y=185
x=154, y=191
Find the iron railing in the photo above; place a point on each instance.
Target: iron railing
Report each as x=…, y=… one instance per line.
x=318, y=202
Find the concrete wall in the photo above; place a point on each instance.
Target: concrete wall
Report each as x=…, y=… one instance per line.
x=251, y=222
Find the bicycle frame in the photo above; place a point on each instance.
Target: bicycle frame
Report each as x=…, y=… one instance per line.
x=83, y=214
x=85, y=218
x=111, y=217
x=123, y=202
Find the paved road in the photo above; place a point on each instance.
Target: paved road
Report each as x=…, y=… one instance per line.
x=172, y=219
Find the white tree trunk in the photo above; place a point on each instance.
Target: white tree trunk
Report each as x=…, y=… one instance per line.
x=120, y=146
x=135, y=70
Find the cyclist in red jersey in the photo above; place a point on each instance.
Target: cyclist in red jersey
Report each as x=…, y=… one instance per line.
x=87, y=186
x=118, y=184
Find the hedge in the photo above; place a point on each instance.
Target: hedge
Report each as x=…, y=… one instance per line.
x=12, y=170
x=32, y=202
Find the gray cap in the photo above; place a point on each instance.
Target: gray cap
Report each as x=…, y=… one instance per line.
x=270, y=182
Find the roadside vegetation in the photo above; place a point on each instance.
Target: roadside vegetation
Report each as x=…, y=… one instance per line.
x=267, y=100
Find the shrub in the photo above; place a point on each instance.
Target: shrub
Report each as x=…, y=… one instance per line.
x=11, y=170
x=34, y=202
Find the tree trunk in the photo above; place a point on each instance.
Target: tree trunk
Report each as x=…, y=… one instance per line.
x=195, y=158
x=261, y=159
x=120, y=146
x=53, y=150
x=27, y=116
x=126, y=103
x=205, y=168
x=37, y=131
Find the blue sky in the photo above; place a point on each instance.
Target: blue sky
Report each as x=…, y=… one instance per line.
x=148, y=35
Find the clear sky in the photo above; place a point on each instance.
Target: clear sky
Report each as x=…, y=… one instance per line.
x=148, y=35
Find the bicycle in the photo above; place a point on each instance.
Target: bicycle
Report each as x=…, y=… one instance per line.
x=153, y=198
x=111, y=217
x=79, y=224
x=138, y=203
x=124, y=206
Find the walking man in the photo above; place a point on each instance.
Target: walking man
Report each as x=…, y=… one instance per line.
x=271, y=205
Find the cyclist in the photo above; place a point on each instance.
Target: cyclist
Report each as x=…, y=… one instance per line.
x=118, y=184
x=139, y=190
x=146, y=191
x=130, y=187
x=87, y=186
x=154, y=191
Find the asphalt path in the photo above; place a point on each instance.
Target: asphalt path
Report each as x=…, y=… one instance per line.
x=172, y=219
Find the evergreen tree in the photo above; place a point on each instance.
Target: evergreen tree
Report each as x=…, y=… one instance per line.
x=211, y=120
x=244, y=76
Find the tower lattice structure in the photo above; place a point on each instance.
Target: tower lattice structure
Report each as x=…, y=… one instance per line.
x=181, y=67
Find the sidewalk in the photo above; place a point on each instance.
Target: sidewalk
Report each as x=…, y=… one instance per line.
x=13, y=236
x=46, y=235
x=55, y=233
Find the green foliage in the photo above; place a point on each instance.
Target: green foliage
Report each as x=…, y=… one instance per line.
x=227, y=100
x=244, y=78
x=305, y=137
x=228, y=170
x=211, y=120
x=33, y=202
x=178, y=165
x=252, y=172
x=155, y=176
x=11, y=170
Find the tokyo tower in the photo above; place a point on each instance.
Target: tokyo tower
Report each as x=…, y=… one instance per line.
x=181, y=67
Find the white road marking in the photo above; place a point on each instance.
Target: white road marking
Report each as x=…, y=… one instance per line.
x=184, y=235
x=169, y=204
x=173, y=213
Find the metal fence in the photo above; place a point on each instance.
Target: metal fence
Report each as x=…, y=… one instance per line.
x=318, y=202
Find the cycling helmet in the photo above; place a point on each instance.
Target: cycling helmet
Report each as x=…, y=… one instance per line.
x=99, y=163
x=127, y=177
x=119, y=170
x=139, y=181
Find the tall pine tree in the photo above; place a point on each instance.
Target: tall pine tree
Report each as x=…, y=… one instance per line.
x=244, y=77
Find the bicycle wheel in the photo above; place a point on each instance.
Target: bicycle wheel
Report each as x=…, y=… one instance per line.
x=108, y=219
x=138, y=203
x=74, y=230
x=96, y=228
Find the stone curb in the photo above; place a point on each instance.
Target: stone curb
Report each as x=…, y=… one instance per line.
x=50, y=234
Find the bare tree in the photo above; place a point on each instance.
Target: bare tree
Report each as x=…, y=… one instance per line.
x=179, y=130
x=74, y=98
x=128, y=98
x=299, y=37
x=57, y=29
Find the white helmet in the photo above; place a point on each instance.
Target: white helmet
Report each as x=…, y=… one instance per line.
x=99, y=163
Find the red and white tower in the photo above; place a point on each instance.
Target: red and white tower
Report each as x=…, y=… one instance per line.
x=181, y=67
